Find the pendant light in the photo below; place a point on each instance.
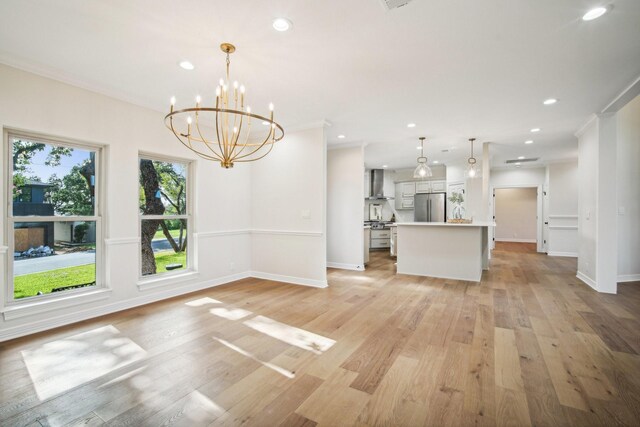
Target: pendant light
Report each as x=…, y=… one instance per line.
x=472, y=169
x=422, y=170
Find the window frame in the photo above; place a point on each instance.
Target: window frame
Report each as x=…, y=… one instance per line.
x=11, y=220
x=190, y=233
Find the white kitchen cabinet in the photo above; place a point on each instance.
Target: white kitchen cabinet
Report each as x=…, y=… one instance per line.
x=380, y=234
x=367, y=242
x=403, y=201
x=380, y=243
x=438, y=186
x=380, y=238
x=394, y=241
x=423, y=187
x=407, y=189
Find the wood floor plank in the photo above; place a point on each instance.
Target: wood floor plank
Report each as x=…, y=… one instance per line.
x=529, y=344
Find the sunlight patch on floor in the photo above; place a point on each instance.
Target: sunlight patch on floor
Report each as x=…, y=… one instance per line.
x=199, y=408
x=276, y=368
x=230, y=313
x=290, y=335
x=202, y=301
x=61, y=365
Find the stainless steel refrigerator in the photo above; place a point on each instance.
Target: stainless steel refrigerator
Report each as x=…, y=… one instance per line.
x=430, y=207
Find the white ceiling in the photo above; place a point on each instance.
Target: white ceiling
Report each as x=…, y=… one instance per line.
x=457, y=68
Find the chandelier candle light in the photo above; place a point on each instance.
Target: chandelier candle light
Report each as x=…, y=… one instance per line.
x=422, y=170
x=223, y=133
x=471, y=169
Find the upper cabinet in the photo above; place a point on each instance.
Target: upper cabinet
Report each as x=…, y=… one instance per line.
x=423, y=187
x=438, y=186
x=407, y=189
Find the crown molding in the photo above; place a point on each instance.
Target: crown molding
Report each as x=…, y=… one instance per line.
x=586, y=124
x=628, y=94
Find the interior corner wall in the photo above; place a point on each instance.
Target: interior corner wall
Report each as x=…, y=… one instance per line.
x=562, y=210
x=587, y=202
x=628, y=191
x=597, y=217
x=222, y=217
x=345, y=200
x=288, y=212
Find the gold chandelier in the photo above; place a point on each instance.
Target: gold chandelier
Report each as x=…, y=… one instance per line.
x=223, y=133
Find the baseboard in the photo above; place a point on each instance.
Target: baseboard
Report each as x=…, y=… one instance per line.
x=342, y=266
x=629, y=278
x=588, y=280
x=290, y=279
x=516, y=240
x=567, y=254
x=55, y=322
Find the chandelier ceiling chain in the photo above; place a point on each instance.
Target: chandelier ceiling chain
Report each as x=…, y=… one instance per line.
x=229, y=139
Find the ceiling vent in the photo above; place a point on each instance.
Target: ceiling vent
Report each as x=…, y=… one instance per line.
x=510, y=162
x=394, y=4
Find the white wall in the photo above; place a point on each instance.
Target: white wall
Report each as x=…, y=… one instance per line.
x=288, y=190
x=562, y=210
x=597, y=219
x=516, y=214
x=587, y=201
x=522, y=177
x=228, y=203
x=345, y=200
x=628, y=191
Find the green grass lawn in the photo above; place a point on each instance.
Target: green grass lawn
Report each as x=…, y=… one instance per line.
x=174, y=233
x=29, y=284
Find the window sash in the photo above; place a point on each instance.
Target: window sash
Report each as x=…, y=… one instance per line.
x=187, y=216
x=54, y=142
x=9, y=289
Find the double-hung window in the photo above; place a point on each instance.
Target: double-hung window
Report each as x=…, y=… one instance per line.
x=165, y=220
x=53, y=217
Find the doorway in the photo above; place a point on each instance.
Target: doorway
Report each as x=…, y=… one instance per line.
x=517, y=213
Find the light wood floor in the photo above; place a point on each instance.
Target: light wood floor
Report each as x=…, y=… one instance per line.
x=530, y=345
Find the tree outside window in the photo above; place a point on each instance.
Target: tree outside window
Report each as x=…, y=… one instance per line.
x=164, y=218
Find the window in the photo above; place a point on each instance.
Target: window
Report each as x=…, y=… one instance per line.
x=54, y=222
x=164, y=216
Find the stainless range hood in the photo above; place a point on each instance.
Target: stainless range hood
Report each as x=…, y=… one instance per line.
x=376, y=189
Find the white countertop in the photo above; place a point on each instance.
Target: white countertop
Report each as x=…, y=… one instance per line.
x=450, y=224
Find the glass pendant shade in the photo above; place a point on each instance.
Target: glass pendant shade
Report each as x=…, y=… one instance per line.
x=422, y=170
x=472, y=169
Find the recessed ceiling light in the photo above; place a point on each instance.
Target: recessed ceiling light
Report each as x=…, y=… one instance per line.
x=385, y=166
x=281, y=24
x=436, y=162
x=528, y=142
x=341, y=137
x=520, y=157
x=411, y=125
x=595, y=13
x=550, y=101
x=186, y=65
x=418, y=147
x=534, y=130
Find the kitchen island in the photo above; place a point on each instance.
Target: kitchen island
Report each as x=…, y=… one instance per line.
x=444, y=250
